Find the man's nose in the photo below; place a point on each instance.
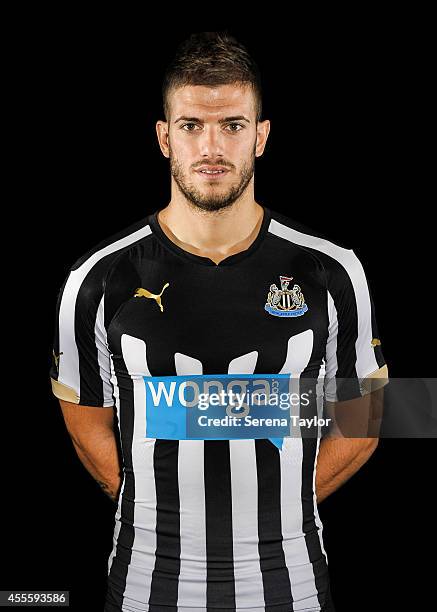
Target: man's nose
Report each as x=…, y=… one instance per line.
x=211, y=142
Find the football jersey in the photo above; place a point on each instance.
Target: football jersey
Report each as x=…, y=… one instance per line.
x=213, y=524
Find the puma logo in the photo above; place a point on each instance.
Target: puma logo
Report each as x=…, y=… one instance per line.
x=375, y=342
x=140, y=292
x=56, y=359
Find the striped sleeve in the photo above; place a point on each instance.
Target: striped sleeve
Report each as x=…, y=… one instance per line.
x=80, y=370
x=354, y=360
x=81, y=363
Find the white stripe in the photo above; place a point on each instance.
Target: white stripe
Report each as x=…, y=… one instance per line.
x=69, y=364
x=249, y=590
x=304, y=590
x=139, y=575
x=366, y=361
x=115, y=387
x=118, y=512
x=244, y=364
x=300, y=569
x=193, y=571
x=192, y=575
x=186, y=365
x=320, y=407
x=103, y=354
x=117, y=527
x=299, y=350
x=331, y=353
x=316, y=510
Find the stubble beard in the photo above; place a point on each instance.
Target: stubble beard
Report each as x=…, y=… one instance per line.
x=213, y=201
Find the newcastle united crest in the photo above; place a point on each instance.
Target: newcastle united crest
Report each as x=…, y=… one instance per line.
x=285, y=302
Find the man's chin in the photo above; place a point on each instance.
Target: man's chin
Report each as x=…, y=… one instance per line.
x=209, y=197
x=204, y=200
x=211, y=205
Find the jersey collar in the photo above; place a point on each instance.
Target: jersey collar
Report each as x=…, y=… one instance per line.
x=192, y=257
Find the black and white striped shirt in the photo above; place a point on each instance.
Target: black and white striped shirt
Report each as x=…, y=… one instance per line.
x=213, y=524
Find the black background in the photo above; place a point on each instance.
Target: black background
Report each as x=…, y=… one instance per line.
x=349, y=111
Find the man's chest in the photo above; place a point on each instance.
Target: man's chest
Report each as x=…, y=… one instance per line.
x=217, y=315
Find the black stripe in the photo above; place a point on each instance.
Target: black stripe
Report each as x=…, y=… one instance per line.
x=342, y=291
x=122, y=558
x=220, y=592
x=121, y=281
x=87, y=303
x=165, y=576
x=309, y=526
x=54, y=367
x=276, y=580
x=375, y=334
x=340, y=287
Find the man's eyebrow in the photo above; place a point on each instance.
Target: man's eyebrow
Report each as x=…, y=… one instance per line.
x=225, y=120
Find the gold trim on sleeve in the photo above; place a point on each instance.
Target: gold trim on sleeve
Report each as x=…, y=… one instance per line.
x=375, y=380
x=64, y=392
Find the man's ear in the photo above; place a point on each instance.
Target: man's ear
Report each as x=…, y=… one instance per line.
x=162, y=134
x=262, y=133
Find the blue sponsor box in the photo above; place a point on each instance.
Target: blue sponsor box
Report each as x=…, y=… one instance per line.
x=219, y=407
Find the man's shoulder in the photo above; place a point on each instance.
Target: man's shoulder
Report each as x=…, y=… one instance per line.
x=86, y=278
x=335, y=256
x=108, y=249
x=294, y=230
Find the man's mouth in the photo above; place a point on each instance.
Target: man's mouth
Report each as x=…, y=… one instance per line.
x=212, y=171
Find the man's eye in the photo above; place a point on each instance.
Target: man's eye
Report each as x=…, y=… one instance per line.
x=190, y=125
x=237, y=125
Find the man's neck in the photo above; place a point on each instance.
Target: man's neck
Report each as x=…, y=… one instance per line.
x=215, y=235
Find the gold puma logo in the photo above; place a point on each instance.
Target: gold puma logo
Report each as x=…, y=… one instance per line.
x=56, y=358
x=376, y=342
x=140, y=292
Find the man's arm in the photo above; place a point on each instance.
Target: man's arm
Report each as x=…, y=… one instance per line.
x=92, y=433
x=338, y=460
x=350, y=442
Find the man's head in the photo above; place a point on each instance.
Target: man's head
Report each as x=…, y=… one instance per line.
x=212, y=105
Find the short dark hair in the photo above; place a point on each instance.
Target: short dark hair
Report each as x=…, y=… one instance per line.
x=212, y=58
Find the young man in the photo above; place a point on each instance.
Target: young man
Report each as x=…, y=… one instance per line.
x=213, y=283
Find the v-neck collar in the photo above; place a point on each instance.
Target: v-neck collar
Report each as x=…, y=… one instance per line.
x=230, y=260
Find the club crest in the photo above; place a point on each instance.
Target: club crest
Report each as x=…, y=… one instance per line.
x=285, y=302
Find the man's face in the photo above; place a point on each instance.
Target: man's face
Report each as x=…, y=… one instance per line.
x=212, y=129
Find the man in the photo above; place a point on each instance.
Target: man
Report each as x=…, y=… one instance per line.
x=220, y=523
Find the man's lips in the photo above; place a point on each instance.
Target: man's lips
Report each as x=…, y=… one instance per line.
x=212, y=171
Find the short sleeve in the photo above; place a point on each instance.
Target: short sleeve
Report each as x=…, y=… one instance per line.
x=354, y=363
x=80, y=370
